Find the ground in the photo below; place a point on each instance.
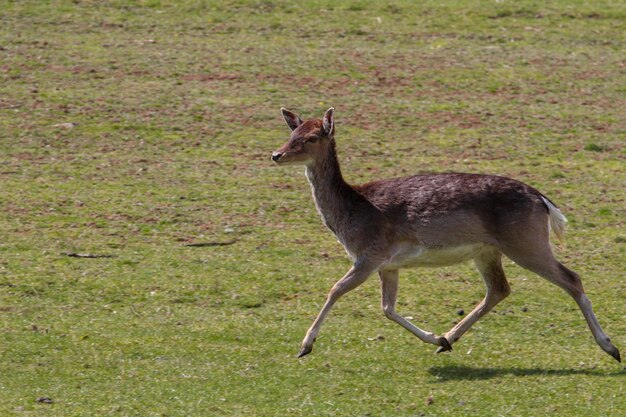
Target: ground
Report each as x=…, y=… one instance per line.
x=142, y=131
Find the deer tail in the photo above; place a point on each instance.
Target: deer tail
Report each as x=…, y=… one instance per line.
x=556, y=219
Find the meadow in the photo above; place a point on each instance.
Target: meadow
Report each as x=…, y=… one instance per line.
x=154, y=262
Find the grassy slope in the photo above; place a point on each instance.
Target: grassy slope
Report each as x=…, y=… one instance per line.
x=176, y=108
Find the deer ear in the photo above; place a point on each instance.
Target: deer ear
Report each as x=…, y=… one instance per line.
x=329, y=122
x=292, y=119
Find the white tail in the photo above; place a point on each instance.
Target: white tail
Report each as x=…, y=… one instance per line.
x=557, y=220
x=430, y=220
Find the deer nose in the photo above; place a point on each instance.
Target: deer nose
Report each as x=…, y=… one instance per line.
x=276, y=156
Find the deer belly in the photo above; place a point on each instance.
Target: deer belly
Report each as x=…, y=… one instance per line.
x=416, y=256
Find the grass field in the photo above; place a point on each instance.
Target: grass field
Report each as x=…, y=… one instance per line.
x=142, y=130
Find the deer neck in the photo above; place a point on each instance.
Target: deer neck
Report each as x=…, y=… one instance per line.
x=333, y=196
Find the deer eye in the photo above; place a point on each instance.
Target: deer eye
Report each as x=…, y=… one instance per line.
x=312, y=139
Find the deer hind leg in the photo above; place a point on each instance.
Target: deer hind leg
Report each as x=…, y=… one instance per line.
x=490, y=267
x=540, y=260
x=389, y=289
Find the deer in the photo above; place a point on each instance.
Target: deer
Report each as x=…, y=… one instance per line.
x=429, y=220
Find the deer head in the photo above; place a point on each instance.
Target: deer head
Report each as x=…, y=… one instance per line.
x=309, y=140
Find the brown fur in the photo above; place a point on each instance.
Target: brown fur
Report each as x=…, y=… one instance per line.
x=428, y=220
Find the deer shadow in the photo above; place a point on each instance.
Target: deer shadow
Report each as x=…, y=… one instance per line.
x=468, y=373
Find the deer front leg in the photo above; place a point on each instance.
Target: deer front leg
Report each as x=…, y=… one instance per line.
x=389, y=288
x=355, y=277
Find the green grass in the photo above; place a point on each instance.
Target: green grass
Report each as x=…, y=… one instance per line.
x=176, y=112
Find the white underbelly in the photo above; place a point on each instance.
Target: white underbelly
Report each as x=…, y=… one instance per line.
x=419, y=256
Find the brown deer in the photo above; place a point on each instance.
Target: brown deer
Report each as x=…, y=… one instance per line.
x=429, y=220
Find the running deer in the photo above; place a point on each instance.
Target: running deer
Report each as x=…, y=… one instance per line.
x=426, y=221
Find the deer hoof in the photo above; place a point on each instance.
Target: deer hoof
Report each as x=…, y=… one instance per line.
x=444, y=345
x=305, y=351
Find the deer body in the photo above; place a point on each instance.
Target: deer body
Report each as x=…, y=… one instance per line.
x=413, y=256
x=427, y=221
